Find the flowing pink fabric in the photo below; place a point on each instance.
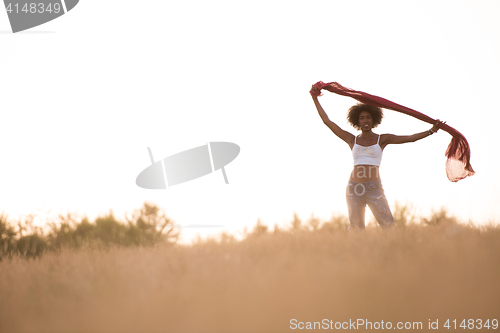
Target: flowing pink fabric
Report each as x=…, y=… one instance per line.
x=458, y=152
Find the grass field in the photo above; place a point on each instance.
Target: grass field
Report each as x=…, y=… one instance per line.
x=310, y=274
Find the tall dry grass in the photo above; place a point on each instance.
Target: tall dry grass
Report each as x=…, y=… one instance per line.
x=413, y=273
x=145, y=226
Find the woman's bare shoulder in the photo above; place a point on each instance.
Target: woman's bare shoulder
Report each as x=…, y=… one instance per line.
x=385, y=139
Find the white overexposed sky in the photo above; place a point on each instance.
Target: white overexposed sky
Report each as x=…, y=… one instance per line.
x=83, y=96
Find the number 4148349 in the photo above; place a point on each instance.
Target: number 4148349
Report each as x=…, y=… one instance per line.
x=34, y=8
x=472, y=324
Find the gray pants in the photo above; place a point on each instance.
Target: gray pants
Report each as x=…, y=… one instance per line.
x=358, y=195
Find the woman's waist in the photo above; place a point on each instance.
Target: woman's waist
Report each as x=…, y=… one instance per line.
x=365, y=173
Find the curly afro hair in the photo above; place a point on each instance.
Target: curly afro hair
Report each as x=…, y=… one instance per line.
x=355, y=110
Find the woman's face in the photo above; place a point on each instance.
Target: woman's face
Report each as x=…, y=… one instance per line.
x=365, y=120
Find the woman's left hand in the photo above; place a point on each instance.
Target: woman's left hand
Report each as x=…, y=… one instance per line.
x=437, y=125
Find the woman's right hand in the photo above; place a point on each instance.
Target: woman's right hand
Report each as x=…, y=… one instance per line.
x=314, y=91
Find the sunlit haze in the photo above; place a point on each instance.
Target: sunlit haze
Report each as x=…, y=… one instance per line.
x=81, y=104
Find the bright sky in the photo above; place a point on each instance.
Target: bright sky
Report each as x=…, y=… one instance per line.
x=83, y=96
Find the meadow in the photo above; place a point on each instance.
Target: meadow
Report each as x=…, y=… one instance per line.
x=310, y=274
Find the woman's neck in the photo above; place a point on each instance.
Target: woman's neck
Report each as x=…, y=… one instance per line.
x=366, y=133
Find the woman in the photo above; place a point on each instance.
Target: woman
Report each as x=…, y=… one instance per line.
x=365, y=187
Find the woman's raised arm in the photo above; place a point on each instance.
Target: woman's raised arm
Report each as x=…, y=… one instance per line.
x=344, y=135
x=397, y=139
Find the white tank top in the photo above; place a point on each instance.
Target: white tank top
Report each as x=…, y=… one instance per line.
x=371, y=155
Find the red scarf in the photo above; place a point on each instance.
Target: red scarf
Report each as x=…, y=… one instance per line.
x=458, y=152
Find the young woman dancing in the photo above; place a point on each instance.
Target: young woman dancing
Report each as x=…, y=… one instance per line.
x=364, y=186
